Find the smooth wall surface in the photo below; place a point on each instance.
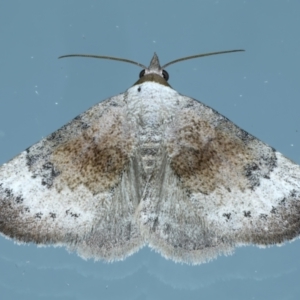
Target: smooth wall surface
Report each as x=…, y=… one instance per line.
x=258, y=89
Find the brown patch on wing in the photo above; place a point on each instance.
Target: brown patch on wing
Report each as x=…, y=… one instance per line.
x=98, y=156
x=282, y=224
x=13, y=225
x=205, y=156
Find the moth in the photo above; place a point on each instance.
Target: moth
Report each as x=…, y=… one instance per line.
x=150, y=167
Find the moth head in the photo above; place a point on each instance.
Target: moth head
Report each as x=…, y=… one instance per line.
x=155, y=68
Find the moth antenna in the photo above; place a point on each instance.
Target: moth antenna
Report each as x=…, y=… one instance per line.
x=105, y=57
x=200, y=55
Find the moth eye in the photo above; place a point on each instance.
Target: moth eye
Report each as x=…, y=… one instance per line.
x=165, y=75
x=142, y=73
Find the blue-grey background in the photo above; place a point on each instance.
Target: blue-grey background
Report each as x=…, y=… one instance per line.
x=258, y=89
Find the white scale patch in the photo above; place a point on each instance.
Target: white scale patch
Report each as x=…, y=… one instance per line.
x=150, y=167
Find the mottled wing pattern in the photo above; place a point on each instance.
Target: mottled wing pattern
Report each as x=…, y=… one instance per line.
x=150, y=166
x=77, y=187
x=218, y=187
